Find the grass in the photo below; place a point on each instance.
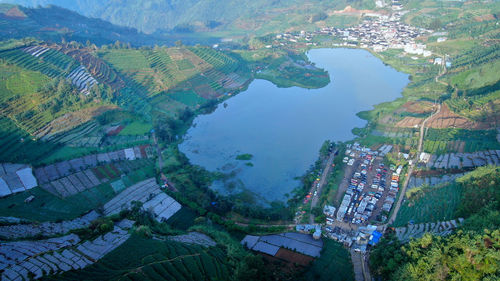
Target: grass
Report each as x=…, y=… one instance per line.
x=189, y=98
x=136, y=128
x=334, y=264
x=430, y=205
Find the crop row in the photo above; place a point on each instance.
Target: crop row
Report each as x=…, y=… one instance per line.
x=18, y=57
x=18, y=147
x=217, y=59
x=157, y=261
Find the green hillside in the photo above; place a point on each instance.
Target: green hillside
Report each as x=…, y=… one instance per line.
x=186, y=16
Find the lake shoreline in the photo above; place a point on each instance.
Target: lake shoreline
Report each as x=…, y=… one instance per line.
x=338, y=77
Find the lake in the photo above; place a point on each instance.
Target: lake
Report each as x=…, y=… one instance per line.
x=284, y=128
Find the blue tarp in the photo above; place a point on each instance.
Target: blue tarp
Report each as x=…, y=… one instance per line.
x=375, y=238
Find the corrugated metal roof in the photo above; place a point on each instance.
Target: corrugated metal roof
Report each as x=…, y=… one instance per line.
x=266, y=248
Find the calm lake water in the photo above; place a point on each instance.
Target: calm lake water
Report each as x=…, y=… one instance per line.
x=284, y=128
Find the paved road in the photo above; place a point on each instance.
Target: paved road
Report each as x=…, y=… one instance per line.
x=361, y=271
x=322, y=183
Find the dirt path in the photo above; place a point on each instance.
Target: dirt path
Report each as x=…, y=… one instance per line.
x=158, y=151
x=322, y=182
x=410, y=170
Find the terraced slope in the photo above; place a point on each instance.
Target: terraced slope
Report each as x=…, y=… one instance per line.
x=156, y=260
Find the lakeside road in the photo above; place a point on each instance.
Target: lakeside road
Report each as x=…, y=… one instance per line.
x=322, y=182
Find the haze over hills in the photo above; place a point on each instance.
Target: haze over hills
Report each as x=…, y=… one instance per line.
x=186, y=15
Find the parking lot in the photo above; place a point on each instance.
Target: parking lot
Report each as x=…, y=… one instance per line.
x=370, y=187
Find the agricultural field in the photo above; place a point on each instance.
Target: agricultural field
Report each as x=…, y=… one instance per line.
x=17, y=146
x=183, y=219
x=48, y=207
x=334, y=264
x=439, y=141
x=430, y=204
x=155, y=260
x=481, y=108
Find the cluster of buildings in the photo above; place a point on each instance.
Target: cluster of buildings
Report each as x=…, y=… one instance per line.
x=370, y=186
x=357, y=239
x=378, y=32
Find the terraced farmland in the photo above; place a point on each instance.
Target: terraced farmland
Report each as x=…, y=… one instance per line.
x=45, y=260
x=157, y=260
x=404, y=234
x=433, y=204
x=97, y=67
x=218, y=60
x=53, y=64
x=17, y=146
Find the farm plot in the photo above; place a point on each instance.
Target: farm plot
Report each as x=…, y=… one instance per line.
x=82, y=79
x=54, y=130
x=432, y=204
x=194, y=238
x=334, y=264
x=56, y=262
x=464, y=160
x=26, y=60
x=17, y=146
x=447, y=119
x=90, y=178
x=124, y=139
x=218, y=60
x=16, y=252
x=97, y=68
x=18, y=231
x=157, y=260
x=15, y=178
x=460, y=140
x=15, y=80
x=415, y=231
x=135, y=65
x=418, y=107
x=148, y=192
x=409, y=122
x=430, y=181
x=62, y=169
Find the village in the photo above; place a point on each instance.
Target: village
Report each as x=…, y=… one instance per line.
x=378, y=32
x=370, y=191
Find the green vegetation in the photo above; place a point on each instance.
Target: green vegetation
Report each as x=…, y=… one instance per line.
x=459, y=140
x=430, y=204
x=432, y=257
x=47, y=207
x=245, y=157
x=463, y=256
x=156, y=260
x=17, y=146
x=334, y=264
x=183, y=219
